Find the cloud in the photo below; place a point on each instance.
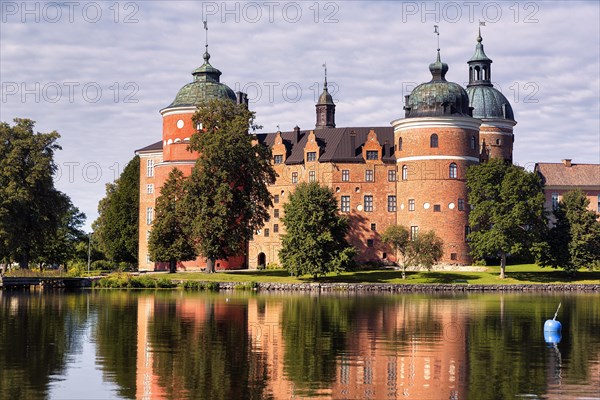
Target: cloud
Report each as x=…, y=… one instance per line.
x=546, y=62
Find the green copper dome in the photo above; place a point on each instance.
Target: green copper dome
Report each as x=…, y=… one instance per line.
x=485, y=100
x=437, y=97
x=206, y=86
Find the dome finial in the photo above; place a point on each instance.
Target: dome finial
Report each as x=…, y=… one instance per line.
x=325, y=84
x=437, y=32
x=206, y=54
x=479, y=38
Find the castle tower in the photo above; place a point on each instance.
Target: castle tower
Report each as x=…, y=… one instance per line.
x=491, y=106
x=435, y=144
x=157, y=161
x=325, y=108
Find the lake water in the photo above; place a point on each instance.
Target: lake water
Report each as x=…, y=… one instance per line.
x=174, y=344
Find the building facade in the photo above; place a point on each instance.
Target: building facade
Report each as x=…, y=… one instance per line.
x=412, y=172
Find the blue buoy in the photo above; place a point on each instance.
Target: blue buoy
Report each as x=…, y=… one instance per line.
x=552, y=329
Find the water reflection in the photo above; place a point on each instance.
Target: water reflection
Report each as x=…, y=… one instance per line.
x=235, y=346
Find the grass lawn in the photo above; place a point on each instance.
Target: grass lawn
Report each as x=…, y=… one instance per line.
x=515, y=274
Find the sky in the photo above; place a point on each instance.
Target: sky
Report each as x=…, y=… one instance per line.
x=98, y=72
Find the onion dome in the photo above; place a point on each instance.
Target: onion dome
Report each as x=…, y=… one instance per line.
x=484, y=98
x=437, y=97
x=206, y=86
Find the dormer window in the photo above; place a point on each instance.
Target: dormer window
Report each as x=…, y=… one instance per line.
x=278, y=159
x=311, y=156
x=372, y=155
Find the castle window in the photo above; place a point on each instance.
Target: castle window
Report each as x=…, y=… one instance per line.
x=453, y=256
x=399, y=144
x=311, y=176
x=266, y=232
x=150, y=168
x=368, y=203
x=467, y=232
x=374, y=227
x=437, y=208
x=472, y=142
x=461, y=204
x=276, y=199
x=311, y=156
x=345, y=204
x=345, y=175
x=414, y=232
x=372, y=155
x=554, y=201
x=294, y=177
x=498, y=142
x=477, y=73
x=149, y=215
x=391, y=203
x=453, y=171
x=369, y=176
x=369, y=242
x=433, y=141
x=391, y=175
x=599, y=203
x=411, y=204
x=276, y=213
x=275, y=228
x=147, y=236
x=148, y=260
x=150, y=189
x=404, y=172
x=278, y=159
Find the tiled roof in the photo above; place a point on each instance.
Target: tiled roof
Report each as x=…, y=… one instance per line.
x=153, y=147
x=335, y=143
x=558, y=174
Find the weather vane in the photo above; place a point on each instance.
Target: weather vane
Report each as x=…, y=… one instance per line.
x=437, y=32
x=206, y=33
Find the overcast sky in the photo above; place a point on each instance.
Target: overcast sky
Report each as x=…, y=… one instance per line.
x=98, y=72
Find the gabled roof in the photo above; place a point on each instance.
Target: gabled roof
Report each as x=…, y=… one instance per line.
x=558, y=174
x=335, y=143
x=154, y=147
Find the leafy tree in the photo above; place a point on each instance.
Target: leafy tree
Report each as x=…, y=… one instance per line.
x=116, y=229
x=31, y=209
x=314, y=242
x=62, y=246
x=507, y=215
x=228, y=198
x=169, y=238
x=426, y=249
x=574, y=240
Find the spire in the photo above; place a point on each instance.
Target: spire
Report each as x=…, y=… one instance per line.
x=325, y=107
x=480, y=68
x=206, y=72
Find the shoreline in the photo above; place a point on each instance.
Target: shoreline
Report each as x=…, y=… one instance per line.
x=404, y=287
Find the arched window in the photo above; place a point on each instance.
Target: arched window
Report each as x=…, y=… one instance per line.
x=433, y=140
x=472, y=142
x=399, y=144
x=477, y=73
x=453, y=171
x=404, y=172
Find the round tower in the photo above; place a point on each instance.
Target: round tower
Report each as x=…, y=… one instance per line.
x=491, y=106
x=436, y=142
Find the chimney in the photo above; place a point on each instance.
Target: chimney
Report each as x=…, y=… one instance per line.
x=567, y=162
x=297, y=133
x=353, y=143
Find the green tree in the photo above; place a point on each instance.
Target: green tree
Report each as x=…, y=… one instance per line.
x=116, y=229
x=228, y=198
x=31, y=209
x=314, y=242
x=507, y=215
x=425, y=250
x=574, y=240
x=62, y=247
x=169, y=238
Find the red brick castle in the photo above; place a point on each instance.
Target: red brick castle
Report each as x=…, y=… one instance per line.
x=411, y=173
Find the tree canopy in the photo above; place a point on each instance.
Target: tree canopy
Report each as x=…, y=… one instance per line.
x=423, y=250
x=228, y=197
x=169, y=239
x=116, y=229
x=314, y=242
x=507, y=214
x=36, y=220
x=574, y=240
